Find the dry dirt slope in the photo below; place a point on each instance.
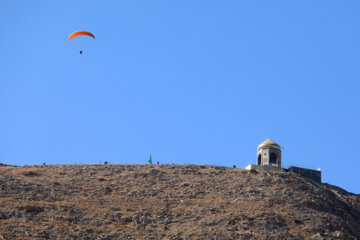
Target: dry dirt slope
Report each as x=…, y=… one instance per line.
x=170, y=202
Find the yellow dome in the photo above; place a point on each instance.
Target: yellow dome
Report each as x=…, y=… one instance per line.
x=268, y=143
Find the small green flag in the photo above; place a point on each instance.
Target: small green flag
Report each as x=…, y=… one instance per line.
x=150, y=160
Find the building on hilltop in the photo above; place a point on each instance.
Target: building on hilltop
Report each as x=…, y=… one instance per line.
x=269, y=154
x=269, y=158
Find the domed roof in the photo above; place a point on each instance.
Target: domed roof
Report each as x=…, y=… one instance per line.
x=268, y=143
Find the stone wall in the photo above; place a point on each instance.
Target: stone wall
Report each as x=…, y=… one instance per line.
x=308, y=173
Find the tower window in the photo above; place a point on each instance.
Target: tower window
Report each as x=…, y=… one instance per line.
x=273, y=158
x=259, y=160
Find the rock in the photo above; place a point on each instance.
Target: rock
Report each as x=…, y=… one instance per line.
x=30, y=174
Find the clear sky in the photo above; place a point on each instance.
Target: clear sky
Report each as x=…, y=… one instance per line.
x=200, y=82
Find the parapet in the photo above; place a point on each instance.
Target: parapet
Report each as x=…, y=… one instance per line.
x=264, y=167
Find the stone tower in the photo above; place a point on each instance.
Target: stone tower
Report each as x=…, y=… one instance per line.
x=269, y=154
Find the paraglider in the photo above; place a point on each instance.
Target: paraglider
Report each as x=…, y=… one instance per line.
x=81, y=33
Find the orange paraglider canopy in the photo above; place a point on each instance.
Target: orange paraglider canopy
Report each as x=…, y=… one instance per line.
x=79, y=33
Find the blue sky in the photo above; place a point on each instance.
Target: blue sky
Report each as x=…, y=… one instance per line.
x=200, y=82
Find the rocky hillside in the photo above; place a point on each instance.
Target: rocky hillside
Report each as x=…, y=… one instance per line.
x=170, y=202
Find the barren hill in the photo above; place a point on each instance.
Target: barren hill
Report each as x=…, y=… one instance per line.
x=170, y=202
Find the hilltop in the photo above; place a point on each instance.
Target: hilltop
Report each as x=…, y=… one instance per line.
x=170, y=202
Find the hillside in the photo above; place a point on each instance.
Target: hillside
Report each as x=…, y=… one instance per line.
x=170, y=202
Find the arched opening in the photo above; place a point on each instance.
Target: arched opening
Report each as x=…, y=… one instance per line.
x=273, y=158
x=259, y=160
